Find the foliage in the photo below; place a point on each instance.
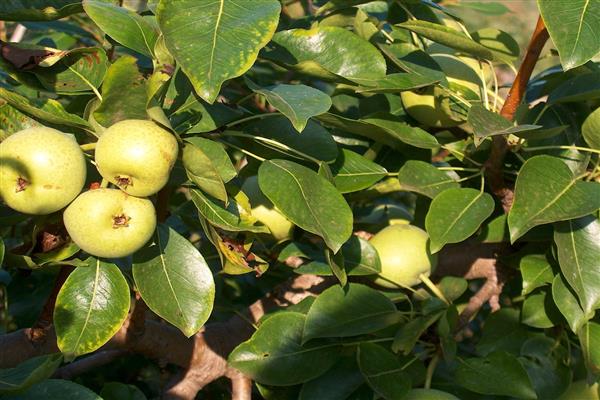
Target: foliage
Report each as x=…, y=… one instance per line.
x=312, y=101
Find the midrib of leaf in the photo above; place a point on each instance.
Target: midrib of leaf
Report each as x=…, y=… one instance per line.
x=572, y=240
x=164, y=265
x=8, y=383
x=363, y=318
x=361, y=173
x=297, y=352
x=540, y=273
x=288, y=106
x=553, y=201
x=575, y=44
x=383, y=373
x=89, y=313
x=214, y=41
x=461, y=214
x=241, y=224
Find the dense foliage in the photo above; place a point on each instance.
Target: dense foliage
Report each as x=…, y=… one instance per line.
x=335, y=197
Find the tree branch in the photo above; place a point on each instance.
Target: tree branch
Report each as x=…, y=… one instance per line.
x=515, y=96
x=87, y=364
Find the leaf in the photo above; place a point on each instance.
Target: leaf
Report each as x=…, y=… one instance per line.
x=48, y=110
x=274, y=354
x=336, y=264
x=536, y=272
x=121, y=391
x=487, y=123
x=124, y=26
x=360, y=257
x=581, y=87
x=336, y=384
x=498, y=373
x=202, y=171
x=546, y=191
x=578, y=243
x=589, y=338
x=408, y=334
x=538, y=310
x=56, y=389
x=424, y=178
x=454, y=39
x=13, y=120
x=566, y=301
x=503, y=332
x=394, y=83
x=297, y=102
x=486, y=8
x=572, y=27
x=307, y=199
x=38, y=10
x=214, y=41
x=382, y=371
x=228, y=218
x=28, y=373
x=217, y=155
x=90, y=308
x=174, y=280
x=456, y=214
x=403, y=132
x=123, y=93
x=303, y=50
x=350, y=311
x=353, y=172
x=591, y=129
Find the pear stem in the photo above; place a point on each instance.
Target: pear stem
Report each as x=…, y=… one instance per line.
x=104, y=183
x=88, y=146
x=425, y=279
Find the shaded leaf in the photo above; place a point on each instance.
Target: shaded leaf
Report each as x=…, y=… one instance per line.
x=487, y=123
x=382, y=371
x=585, y=86
x=503, y=332
x=38, y=10
x=28, y=373
x=56, y=389
x=353, y=172
x=424, y=178
x=409, y=333
x=589, y=338
x=336, y=384
x=591, y=129
x=566, y=301
x=121, y=391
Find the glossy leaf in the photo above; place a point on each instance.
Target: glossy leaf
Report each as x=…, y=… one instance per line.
x=201, y=170
x=589, y=337
x=578, y=243
x=56, y=389
x=591, y=129
x=499, y=373
x=572, y=27
x=360, y=257
x=38, y=10
x=456, y=214
x=123, y=25
x=214, y=41
x=90, y=308
x=307, y=51
x=394, y=83
x=353, y=172
x=364, y=310
x=274, y=354
x=382, y=371
x=174, y=280
x=424, y=178
x=28, y=373
x=567, y=303
x=307, y=199
x=538, y=310
x=546, y=191
x=487, y=123
x=536, y=272
x=229, y=219
x=297, y=102
x=217, y=155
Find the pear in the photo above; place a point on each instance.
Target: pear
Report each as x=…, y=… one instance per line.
x=109, y=222
x=137, y=156
x=429, y=394
x=41, y=170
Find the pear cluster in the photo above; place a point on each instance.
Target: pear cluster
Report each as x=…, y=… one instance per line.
x=43, y=170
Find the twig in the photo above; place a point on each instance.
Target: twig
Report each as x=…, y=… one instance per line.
x=515, y=96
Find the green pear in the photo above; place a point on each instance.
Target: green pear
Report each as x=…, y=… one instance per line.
x=137, y=156
x=580, y=390
x=265, y=212
x=404, y=254
x=429, y=394
x=41, y=170
x=109, y=222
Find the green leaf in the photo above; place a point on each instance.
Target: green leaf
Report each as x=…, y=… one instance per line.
x=56, y=389
x=336, y=264
x=124, y=26
x=123, y=93
x=353, y=172
x=229, y=219
x=307, y=199
x=578, y=243
x=28, y=373
x=13, y=120
x=297, y=102
x=572, y=27
x=303, y=50
x=487, y=123
x=456, y=214
x=581, y=87
x=336, y=384
x=424, y=178
x=90, y=308
x=38, y=10
x=174, y=280
x=499, y=373
x=394, y=83
x=454, y=39
x=121, y=391
x=503, y=331
x=409, y=333
x=201, y=170
x=538, y=310
x=536, y=272
x=350, y=311
x=566, y=301
x=382, y=371
x=214, y=41
x=486, y=8
x=360, y=257
x=217, y=155
x=274, y=354
x=589, y=338
x=591, y=129
x=546, y=191
x=48, y=110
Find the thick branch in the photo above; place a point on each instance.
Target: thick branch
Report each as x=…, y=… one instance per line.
x=515, y=96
